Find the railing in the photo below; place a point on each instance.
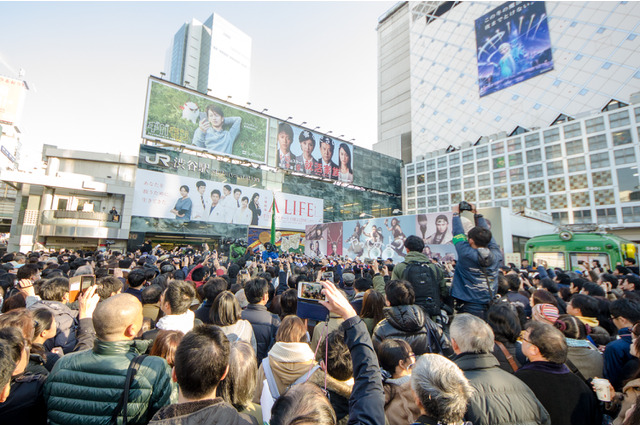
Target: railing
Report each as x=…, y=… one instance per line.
x=79, y=219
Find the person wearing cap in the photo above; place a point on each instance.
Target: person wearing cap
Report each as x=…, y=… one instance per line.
x=210, y=133
x=305, y=161
x=545, y=313
x=328, y=168
x=286, y=159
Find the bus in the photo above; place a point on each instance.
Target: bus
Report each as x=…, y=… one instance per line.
x=568, y=250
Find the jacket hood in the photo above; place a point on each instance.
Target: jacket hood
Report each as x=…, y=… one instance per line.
x=471, y=361
x=341, y=388
x=414, y=256
x=405, y=317
x=57, y=307
x=209, y=412
x=289, y=372
x=635, y=383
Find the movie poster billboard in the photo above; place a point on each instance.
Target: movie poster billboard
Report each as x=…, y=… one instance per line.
x=177, y=115
x=513, y=45
x=286, y=241
x=297, y=211
x=313, y=154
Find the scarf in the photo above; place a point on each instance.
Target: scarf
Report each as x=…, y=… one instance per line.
x=589, y=320
x=182, y=322
x=291, y=352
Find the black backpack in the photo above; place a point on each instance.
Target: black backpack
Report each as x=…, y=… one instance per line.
x=425, y=278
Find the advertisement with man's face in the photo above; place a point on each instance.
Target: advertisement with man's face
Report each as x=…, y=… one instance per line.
x=434, y=228
x=313, y=153
x=513, y=45
x=177, y=115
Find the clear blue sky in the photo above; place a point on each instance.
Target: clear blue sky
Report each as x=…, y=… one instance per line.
x=89, y=63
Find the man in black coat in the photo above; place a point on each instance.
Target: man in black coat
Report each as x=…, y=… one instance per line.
x=567, y=398
x=264, y=323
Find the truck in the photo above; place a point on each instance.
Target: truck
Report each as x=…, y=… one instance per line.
x=568, y=249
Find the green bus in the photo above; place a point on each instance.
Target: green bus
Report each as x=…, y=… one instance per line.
x=567, y=250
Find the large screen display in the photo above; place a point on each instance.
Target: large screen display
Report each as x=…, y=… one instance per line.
x=182, y=116
x=314, y=154
x=513, y=45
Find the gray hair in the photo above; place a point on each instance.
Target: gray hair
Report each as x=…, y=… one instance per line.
x=471, y=334
x=84, y=270
x=441, y=387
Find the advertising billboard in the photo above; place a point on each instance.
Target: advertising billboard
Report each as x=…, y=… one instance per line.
x=12, y=94
x=186, y=199
x=287, y=241
x=177, y=115
x=513, y=45
x=314, y=154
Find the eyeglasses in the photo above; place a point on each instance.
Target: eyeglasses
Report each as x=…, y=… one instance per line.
x=613, y=317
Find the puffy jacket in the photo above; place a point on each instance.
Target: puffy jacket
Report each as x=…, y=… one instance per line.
x=265, y=325
x=414, y=256
x=66, y=321
x=500, y=397
x=410, y=323
x=84, y=387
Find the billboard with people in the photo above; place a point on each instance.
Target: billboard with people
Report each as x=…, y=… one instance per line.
x=513, y=45
x=313, y=154
x=180, y=116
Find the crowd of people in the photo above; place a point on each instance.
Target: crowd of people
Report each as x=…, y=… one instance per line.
x=192, y=336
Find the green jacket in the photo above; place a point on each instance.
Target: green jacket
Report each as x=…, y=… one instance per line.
x=414, y=256
x=84, y=387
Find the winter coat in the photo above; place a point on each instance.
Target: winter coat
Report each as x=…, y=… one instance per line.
x=66, y=321
x=84, y=387
x=265, y=325
x=587, y=360
x=241, y=330
x=631, y=393
x=206, y=412
x=566, y=397
x=410, y=323
x=500, y=397
x=339, y=393
x=616, y=355
x=399, y=404
x=514, y=349
x=319, y=330
x=25, y=404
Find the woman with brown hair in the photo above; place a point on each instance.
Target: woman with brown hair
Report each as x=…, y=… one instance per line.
x=289, y=359
x=45, y=328
x=165, y=345
x=583, y=356
x=372, y=309
x=225, y=313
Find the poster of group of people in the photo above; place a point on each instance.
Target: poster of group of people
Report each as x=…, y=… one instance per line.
x=384, y=237
x=185, y=199
x=176, y=115
x=314, y=154
x=513, y=45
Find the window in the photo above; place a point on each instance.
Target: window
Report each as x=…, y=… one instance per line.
x=431, y=165
x=442, y=174
x=622, y=137
x=442, y=162
x=534, y=155
x=500, y=177
x=597, y=142
x=631, y=214
x=420, y=178
x=619, y=119
x=467, y=155
x=599, y=160
x=410, y=169
x=454, y=159
x=433, y=201
x=482, y=152
x=469, y=182
x=534, y=171
x=411, y=192
x=484, y=180
x=594, y=125
x=515, y=159
x=628, y=184
x=532, y=140
x=498, y=163
x=411, y=180
x=555, y=168
x=582, y=216
x=411, y=204
x=443, y=186
x=551, y=135
x=422, y=203
x=624, y=156
x=431, y=176
x=574, y=147
x=553, y=151
x=560, y=218
x=62, y=203
x=576, y=164
x=516, y=174
x=444, y=200
x=454, y=172
x=468, y=169
x=514, y=144
x=497, y=148
x=501, y=191
x=572, y=130
x=431, y=188
x=483, y=166
x=421, y=191
x=606, y=216
x=455, y=185
x=420, y=167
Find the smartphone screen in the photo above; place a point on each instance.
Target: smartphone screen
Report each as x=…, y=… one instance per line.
x=328, y=276
x=310, y=291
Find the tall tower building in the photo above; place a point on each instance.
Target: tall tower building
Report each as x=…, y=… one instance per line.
x=212, y=55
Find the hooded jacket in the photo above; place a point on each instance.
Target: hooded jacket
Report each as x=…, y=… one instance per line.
x=66, y=321
x=399, y=404
x=410, y=323
x=206, y=412
x=631, y=392
x=500, y=397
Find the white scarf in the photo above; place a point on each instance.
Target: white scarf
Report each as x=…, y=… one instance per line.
x=291, y=352
x=182, y=322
